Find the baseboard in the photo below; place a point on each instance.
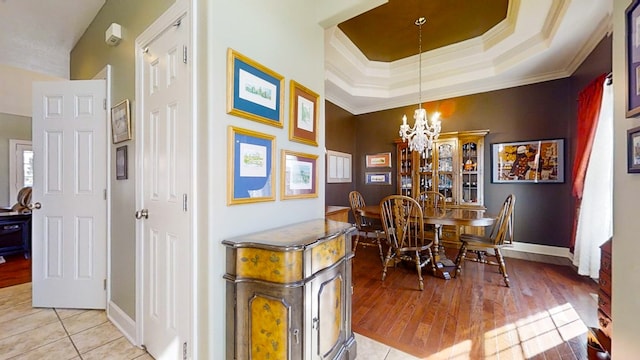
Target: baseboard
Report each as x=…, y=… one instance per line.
x=123, y=322
x=542, y=249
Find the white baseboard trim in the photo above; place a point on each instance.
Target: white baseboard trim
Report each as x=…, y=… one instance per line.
x=123, y=322
x=541, y=249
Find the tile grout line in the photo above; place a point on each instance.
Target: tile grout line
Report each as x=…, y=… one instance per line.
x=67, y=332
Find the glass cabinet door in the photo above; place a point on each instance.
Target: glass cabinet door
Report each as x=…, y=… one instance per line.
x=425, y=172
x=446, y=152
x=471, y=171
x=404, y=170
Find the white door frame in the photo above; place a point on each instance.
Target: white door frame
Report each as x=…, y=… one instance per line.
x=179, y=9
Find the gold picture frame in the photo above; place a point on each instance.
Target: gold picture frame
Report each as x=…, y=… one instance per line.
x=250, y=169
x=303, y=114
x=299, y=177
x=121, y=122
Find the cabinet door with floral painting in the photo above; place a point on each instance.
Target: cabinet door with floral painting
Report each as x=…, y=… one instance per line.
x=471, y=166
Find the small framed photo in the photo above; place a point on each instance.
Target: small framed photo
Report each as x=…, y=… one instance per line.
x=378, y=178
x=121, y=163
x=250, y=168
x=338, y=167
x=534, y=161
x=299, y=175
x=303, y=114
x=253, y=91
x=633, y=150
x=633, y=58
x=379, y=160
x=121, y=122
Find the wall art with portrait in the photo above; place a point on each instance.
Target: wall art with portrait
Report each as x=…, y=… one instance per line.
x=535, y=161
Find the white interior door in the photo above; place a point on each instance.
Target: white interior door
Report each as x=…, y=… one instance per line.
x=164, y=215
x=69, y=229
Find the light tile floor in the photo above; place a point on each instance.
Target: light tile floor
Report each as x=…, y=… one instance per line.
x=44, y=333
x=28, y=333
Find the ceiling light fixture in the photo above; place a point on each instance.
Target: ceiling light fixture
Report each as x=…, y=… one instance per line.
x=425, y=130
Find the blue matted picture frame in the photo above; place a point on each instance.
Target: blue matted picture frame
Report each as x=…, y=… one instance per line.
x=378, y=178
x=250, y=169
x=253, y=91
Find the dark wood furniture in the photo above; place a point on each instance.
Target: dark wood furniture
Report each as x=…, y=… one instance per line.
x=15, y=234
x=454, y=168
x=603, y=333
x=457, y=217
x=289, y=293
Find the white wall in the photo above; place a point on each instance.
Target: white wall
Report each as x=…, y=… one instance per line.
x=15, y=92
x=626, y=200
x=285, y=36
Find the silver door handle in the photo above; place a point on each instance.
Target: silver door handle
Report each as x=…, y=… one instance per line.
x=33, y=206
x=144, y=213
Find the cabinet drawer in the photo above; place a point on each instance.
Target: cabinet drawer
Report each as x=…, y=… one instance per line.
x=605, y=323
x=604, y=303
x=605, y=282
x=605, y=262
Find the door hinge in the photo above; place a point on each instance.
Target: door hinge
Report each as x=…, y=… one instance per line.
x=184, y=350
x=104, y=104
x=184, y=202
x=184, y=54
x=104, y=284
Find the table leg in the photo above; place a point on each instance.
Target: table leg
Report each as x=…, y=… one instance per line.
x=440, y=257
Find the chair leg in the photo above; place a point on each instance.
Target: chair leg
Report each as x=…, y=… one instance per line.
x=355, y=243
x=419, y=268
x=432, y=261
x=460, y=258
x=386, y=263
x=502, y=266
x=378, y=240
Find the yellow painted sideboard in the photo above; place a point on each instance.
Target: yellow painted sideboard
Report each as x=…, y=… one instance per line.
x=289, y=293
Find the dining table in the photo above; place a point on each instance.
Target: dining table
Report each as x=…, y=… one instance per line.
x=439, y=217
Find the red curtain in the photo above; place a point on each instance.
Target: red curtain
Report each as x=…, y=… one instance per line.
x=589, y=101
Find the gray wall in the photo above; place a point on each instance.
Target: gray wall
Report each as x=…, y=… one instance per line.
x=11, y=127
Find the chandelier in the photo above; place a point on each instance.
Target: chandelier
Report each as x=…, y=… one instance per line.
x=424, y=130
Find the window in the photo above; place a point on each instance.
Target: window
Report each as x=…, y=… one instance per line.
x=20, y=167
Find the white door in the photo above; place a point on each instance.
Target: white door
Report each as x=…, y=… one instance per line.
x=164, y=215
x=69, y=241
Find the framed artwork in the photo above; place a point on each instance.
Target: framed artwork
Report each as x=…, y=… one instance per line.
x=633, y=150
x=299, y=175
x=536, y=161
x=633, y=58
x=378, y=178
x=253, y=91
x=303, y=114
x=121, y=163
x=121, y=122
x=379, y=160
x=250, y=168
x=338, y=167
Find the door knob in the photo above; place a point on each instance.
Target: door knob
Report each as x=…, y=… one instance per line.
x=144, y=213
x=33, y=206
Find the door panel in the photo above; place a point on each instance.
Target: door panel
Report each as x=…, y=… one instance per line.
x=69, y=230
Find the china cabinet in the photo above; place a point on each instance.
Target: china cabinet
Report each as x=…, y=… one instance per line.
x=289, y=293
x=454, y=167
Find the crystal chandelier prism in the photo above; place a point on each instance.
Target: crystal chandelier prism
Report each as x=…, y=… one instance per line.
x=424, y=130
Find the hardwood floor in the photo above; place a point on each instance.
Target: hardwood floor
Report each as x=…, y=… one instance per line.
x=543, y=315
x=16, y=270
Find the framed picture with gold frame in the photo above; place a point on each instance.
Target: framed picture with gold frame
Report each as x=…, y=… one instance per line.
x=250, y=168
x=299, y=176
x=303, y=114
x=254, y=91
x=121, y=122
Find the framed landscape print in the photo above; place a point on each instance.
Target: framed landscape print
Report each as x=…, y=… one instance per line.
x=633, y=150
x=299, y=175
x=121, y=163
x=379, y=160
x=536, y=161
x=250, y=168
x=303, y=114
x=253, y=91
x=378, y=178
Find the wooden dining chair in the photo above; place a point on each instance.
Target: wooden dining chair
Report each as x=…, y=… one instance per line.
x=501, y=235
x=432, y=199
x=403, y=223
x=365, y=226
